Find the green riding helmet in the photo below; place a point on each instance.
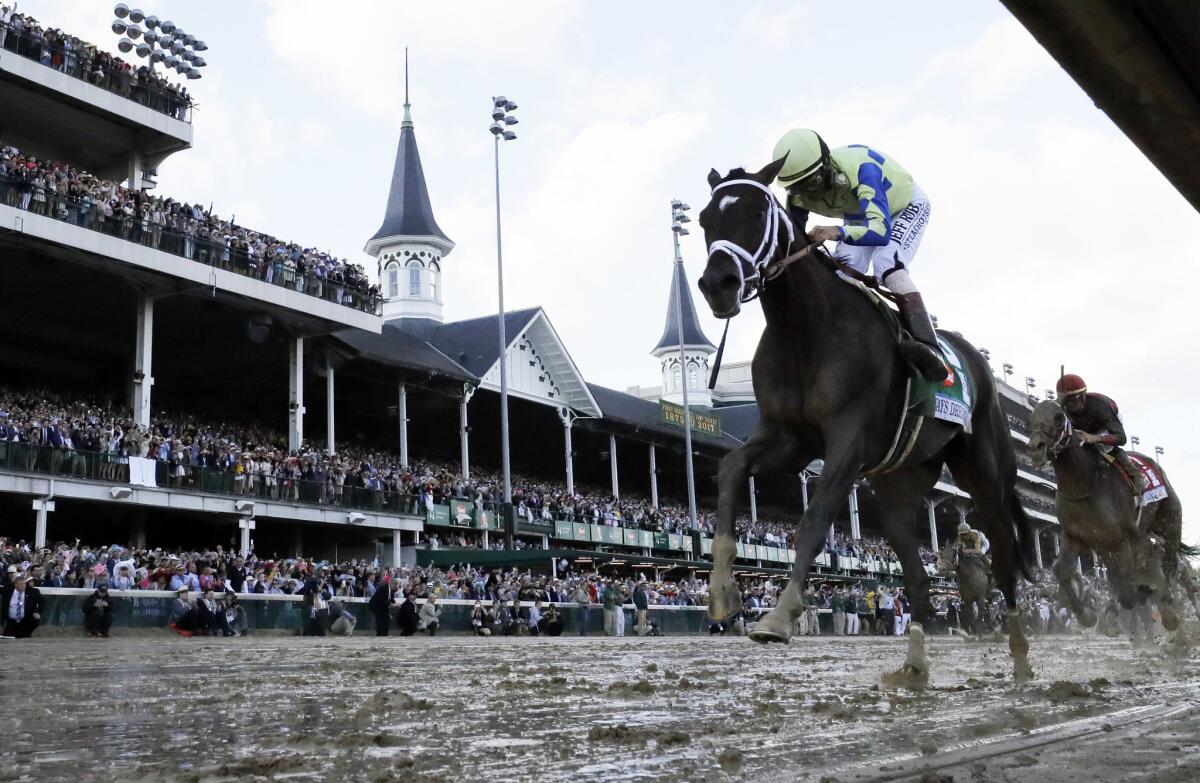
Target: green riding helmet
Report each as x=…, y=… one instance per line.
x=963, y=528
x=805, y=152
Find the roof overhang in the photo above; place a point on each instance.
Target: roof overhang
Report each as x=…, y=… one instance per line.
x=1140, y=63
x=556, y=359
x=375, y=245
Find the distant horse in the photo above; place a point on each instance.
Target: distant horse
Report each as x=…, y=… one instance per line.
x=1095, y=507
x=975, y=584
x=830, y=383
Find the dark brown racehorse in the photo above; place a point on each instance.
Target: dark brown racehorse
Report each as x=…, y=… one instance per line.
x=1095, y=508
x=830, y=384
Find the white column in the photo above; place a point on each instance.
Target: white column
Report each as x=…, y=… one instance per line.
x=464, y=445
x=804, y=489
x=855, y=533
x=245, y=525
x=295, y=393
x=133, y=179
x=397, y=547
x=143, y=378
x=931, y=507
x=612, y=464
x=653, y=477
x=329, y=439
x=568, y=454
x=43, y=507
x=1037, y=546
x=402, y=414
x=753, y=502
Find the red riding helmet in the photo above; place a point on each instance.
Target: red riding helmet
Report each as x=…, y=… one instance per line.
x=1070, y=384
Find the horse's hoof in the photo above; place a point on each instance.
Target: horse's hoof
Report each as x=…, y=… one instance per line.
x=1022, y=672
x=906, y=676
x=1170, y=620
x=1112, y=624
x=1087, y=618
x=724, y=600
x=767, y=635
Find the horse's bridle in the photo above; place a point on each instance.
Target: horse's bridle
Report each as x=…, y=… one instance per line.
x=754, y=269
x=1064, y=438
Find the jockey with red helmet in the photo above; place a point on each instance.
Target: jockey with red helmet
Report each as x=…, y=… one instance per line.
x=1097, y=422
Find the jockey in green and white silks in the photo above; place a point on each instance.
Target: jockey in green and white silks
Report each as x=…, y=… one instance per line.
x=884, y=212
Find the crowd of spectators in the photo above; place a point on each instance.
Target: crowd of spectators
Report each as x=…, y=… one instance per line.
x=63, y=192
x=23, y=35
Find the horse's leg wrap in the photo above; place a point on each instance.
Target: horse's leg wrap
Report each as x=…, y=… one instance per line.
x=724, y=596
x=914, y=674
x=1018, y=647
x=778, y=624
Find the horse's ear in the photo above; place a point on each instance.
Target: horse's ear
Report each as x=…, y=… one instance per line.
x=714, y=178
x=766, y=175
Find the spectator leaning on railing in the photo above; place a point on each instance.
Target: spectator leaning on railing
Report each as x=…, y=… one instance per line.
x=26, y=37
x=62, y=192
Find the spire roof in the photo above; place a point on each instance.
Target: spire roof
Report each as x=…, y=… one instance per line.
x=409, y=213
x=693, y=335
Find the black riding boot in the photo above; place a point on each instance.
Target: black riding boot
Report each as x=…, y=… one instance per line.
x=922, y=350
x=1140, y=485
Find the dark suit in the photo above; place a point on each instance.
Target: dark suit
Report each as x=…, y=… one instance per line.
x=25, y=627
x=98, y=619
x=381, y=606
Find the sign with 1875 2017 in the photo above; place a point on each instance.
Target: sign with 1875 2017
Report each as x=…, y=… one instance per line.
x=672, y=414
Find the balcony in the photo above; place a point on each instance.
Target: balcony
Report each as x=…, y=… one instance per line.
x=57, y=105
x=78, y=224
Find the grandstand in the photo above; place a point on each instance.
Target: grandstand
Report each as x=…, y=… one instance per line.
x=170, y=377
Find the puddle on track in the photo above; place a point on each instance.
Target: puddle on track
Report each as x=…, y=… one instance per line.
x=682, y=708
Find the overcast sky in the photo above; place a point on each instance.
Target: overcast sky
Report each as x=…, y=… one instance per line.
x=1052, y=240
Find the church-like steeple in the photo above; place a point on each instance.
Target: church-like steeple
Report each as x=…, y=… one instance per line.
x=409, y=245
x=696, y=347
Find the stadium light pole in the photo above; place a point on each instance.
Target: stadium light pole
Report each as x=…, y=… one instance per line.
x=502, y=119
x=1158, y=452
x=678, y=218
x=1135, y=441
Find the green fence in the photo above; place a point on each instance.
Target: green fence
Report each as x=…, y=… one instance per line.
x=147, y=609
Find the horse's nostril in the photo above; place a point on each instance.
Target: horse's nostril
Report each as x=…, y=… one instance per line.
x=703, y=286
x=729, y=281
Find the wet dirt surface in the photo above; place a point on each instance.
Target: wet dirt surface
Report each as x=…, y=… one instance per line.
x=682, y=708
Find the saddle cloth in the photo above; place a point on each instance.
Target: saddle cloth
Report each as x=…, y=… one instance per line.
x=952, y=400
x=1156, y=488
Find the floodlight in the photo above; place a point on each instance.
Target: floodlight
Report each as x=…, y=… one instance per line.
x=125, y=45
x=200, y=46
x=496, y=128
x=167, y=27
x=199, y=62
x=509, y=135
x=192, y=73
x=121, y=10
x=510, y=120
x=150, y=37
x=136, y=15
x=133, y=31
x=151, y=22
x=119, y=27
x=144, y=49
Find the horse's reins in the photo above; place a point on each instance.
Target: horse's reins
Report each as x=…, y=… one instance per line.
x=760, y=267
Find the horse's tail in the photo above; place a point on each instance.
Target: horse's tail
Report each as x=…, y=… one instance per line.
x=1023, y=544
x=1189, y=551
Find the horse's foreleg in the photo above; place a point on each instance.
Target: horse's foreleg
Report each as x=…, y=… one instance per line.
x=1071, y=584
x=765, y=451
x=777, y=625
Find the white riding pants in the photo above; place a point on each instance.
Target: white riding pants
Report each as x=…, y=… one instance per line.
x=903, y=240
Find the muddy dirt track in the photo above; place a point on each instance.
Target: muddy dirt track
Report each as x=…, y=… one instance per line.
x=695, y=708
